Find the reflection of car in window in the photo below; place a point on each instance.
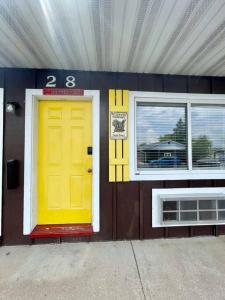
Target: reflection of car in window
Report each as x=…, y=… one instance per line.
x=208, y=162
x=165, y=161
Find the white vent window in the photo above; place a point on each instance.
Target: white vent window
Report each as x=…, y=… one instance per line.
x=193, y=209
x=180, y=207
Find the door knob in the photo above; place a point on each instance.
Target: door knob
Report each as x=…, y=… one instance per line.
x=89, y=170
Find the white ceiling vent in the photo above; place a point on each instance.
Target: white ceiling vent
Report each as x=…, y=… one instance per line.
x=186, y=207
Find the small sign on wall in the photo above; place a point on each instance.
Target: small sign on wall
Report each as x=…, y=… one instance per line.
x=118, y=125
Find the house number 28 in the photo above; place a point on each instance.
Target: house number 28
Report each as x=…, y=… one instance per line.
x=70, y=81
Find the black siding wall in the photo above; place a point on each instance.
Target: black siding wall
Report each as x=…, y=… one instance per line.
x=125, y=208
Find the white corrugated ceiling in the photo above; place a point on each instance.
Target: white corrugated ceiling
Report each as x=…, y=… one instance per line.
x=145, y=36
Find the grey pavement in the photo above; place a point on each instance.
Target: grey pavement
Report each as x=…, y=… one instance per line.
x=191, y=268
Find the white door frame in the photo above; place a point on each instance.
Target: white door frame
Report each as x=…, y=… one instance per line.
x=1, y=150
x=30, y=155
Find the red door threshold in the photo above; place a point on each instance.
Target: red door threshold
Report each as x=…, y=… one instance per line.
x=42, y=231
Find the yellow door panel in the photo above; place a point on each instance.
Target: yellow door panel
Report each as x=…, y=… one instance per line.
x=64, y=184
x=76, y=191
x=77, y=146
x=54, y=142
x=54, y=192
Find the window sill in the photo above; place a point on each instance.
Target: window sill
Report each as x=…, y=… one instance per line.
x=200, y=223
x=177, y=175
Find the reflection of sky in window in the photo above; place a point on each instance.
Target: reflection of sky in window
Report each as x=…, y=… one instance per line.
x=209, y=121
x=156, y=121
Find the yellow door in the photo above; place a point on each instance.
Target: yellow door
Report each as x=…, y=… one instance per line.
x=64, y=166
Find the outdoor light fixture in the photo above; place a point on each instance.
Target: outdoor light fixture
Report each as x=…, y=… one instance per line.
x=11, y=107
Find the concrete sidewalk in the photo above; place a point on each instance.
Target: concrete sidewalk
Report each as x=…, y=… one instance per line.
x=154, y=269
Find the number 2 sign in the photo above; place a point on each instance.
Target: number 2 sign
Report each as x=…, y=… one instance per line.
x=70, y=81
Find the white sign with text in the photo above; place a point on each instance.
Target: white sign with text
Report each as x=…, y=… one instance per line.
x=118, y=125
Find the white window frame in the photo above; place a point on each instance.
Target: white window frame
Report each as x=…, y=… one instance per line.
x=30, y=155
x=1, y=151
x=156, y=204
x=178, y=98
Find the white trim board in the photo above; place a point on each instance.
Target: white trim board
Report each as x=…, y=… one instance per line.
x=1, y=150
x=176, y=192
x=145, y=175
x=30, y=163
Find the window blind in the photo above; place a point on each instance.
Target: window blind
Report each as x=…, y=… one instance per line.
x=161, y=136
x=208, y=136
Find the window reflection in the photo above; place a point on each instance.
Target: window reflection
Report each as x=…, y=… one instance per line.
x=161, y=136
x=208, y=136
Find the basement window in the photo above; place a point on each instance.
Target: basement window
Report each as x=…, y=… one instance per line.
x=192, y=210
x=179, y=136
x=180, y=207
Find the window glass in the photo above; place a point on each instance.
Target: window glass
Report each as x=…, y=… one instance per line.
x=188, y=204
x=170, y=205
x=221, y=204
x=207, y=215
x=208, y=136
x=207, y=204
x=161, y=133
x=188, y=216
x=170, y=216
x=221, y=215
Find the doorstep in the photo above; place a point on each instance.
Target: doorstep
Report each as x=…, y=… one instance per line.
x=61, y=230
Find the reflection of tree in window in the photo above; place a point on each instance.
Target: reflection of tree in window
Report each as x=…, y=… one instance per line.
x=178, y=135
x=201, y=147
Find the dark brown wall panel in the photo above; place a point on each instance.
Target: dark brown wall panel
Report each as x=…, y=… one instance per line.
x=218, y=85
x=201, y=183
x=127, y=210
x=1, y=78
x=127, y=81
x=197, y=84
x=103, y=82
x=16, y=81
x=146, y=199
x=149, y=82
x=175, y=84
x=219, y=183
